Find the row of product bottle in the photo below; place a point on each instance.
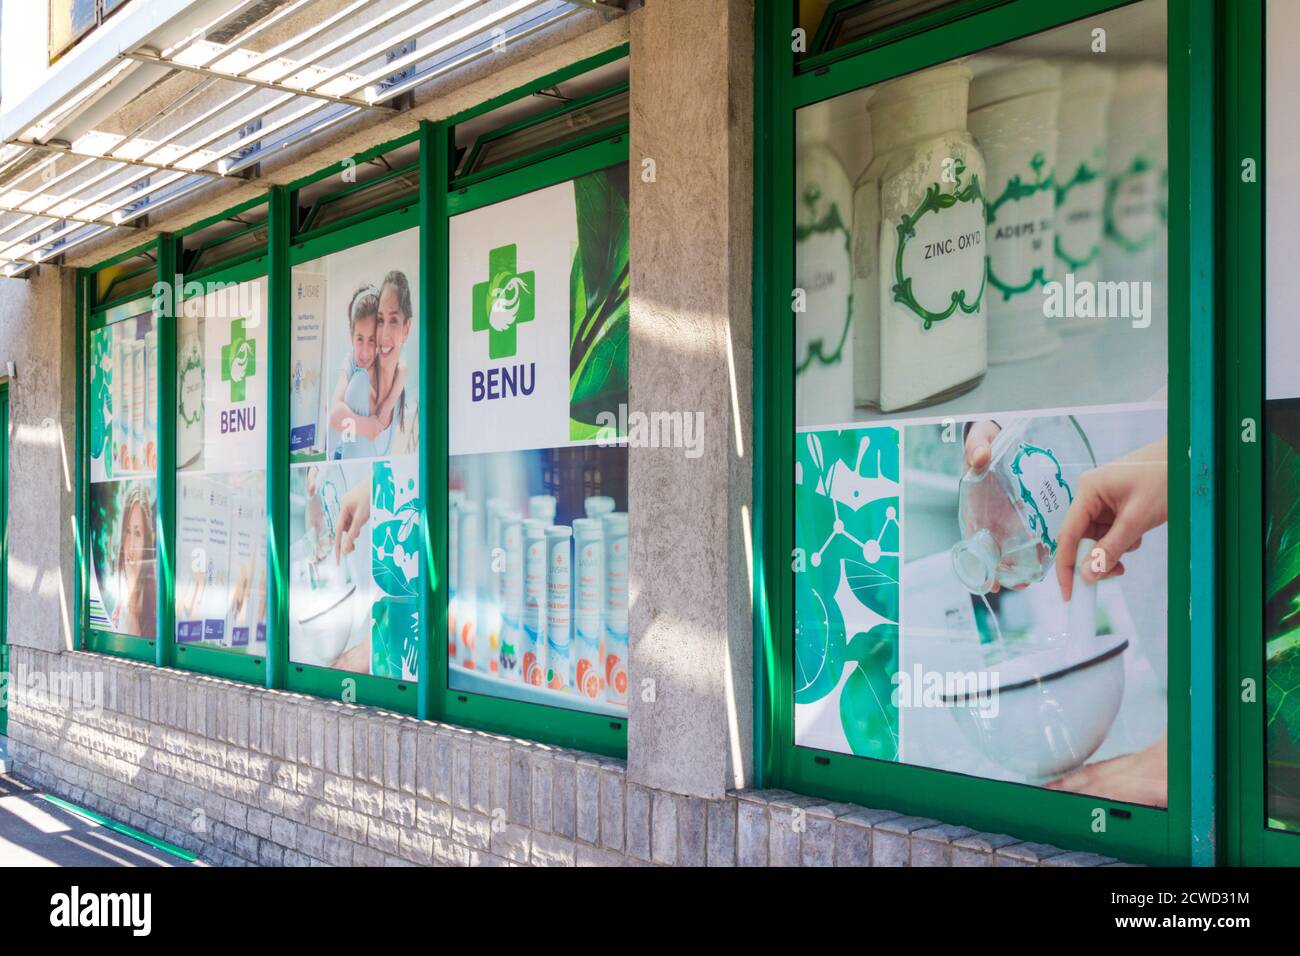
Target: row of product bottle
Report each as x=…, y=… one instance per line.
x=134, y=398
x=538, y=603
x=979, y=191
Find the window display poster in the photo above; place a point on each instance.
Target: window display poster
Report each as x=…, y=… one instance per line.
x=537, y=515
x=981, y=569
x=1282, y=441
x=938, y=624
x=221, y=411
x=122, y=412
x=123, y=586
x=122, y=398
x=355, y=330
x=354, y=493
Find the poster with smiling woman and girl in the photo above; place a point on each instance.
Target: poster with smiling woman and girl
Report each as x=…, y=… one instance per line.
x=354, y=495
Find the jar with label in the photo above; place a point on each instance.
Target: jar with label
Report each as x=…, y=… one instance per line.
x=1136, y=171
x=823, y=225
x=1013, y=118
x=1011, y=512
x=1081, y=180
x=918, y=247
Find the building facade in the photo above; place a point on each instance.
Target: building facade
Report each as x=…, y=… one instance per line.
x=819, y=433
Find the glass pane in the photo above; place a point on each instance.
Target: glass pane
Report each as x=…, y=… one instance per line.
x=538, y=426
x=123, y=409
x=354, y=442
x=70, y=20
x=835, y=23
x=584, y=121
x=980, y=384
x=221, y=558
x=1282, y=441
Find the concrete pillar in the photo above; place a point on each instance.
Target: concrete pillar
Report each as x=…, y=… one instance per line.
x=690, y=723
x=37, y=335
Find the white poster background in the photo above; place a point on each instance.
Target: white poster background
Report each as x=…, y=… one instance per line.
x=241, y=447
x=543, y=227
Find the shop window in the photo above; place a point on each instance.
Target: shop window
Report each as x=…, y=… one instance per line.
x=355, y=493
x=221, y=572
x=71, y=21
x=537, y=378
x=122, y=596
x=305, y=357
x=981, y=565
x=1262, y=487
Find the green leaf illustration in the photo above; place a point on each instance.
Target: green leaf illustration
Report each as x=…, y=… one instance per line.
x=867, y=711
x=598, y=299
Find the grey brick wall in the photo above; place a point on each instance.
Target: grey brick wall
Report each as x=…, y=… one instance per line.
x=246, y=776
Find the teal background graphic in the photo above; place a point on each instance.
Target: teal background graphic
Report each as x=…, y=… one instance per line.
x=846, y=567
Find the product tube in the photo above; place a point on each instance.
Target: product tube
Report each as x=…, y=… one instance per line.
x=559, y=591
x=589, y=600
x=615, y=650
x=532, y=645
x=598, y=506
x=512, y=593
x=467, y=591
x=454, y=500
x=542, y=508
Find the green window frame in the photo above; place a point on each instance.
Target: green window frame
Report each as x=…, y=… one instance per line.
x=291, y=241
x=94, y=309
x=1248, y=837
x=1183, y=833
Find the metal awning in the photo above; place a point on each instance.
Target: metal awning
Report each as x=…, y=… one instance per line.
x=239, y=81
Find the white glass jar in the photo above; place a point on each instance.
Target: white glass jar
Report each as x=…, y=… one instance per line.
x=920, y=336
x=1081, y=178
x=1013, y=110
x=823, y=223
x=1136, y=168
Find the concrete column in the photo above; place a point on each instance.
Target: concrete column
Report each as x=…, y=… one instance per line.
x=37, y=335
x=690, y=724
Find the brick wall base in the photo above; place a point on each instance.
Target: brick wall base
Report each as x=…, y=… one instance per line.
x=246, y=776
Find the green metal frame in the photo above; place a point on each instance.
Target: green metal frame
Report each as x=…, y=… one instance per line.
x=229, y=664
x=395, y=695
x=594, y=732
x=1132, y=832
x=288, y=245
x=92, y=314
x=1248, y=838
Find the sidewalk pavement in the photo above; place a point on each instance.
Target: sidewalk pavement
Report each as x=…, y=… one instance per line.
x=35, y=832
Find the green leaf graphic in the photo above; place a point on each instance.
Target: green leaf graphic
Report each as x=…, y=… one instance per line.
x=598, y=300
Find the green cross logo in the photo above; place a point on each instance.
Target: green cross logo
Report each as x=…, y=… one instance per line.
x=238, y=360
x=505, y=300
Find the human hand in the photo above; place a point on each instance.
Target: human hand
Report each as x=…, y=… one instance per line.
x=1115, y=505
x=979, y=445
x=978, y=454
x=1141, y=777
x=354, y=512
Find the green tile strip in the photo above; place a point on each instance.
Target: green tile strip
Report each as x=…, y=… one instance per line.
x=122, y=828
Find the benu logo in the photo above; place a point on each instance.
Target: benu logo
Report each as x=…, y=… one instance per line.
x=505, y=300
x=238, y=360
